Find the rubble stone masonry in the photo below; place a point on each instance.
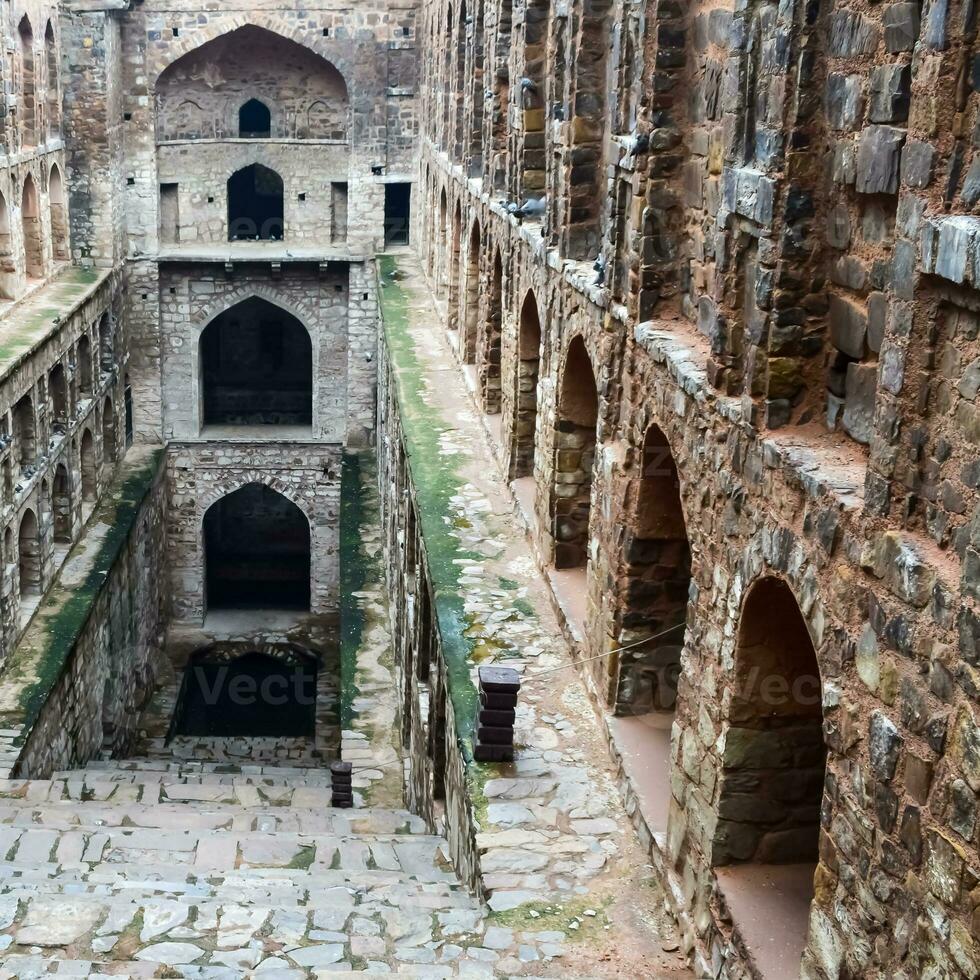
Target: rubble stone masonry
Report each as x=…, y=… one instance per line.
x=735, y=347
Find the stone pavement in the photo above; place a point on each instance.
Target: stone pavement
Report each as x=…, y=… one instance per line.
x=144, y=868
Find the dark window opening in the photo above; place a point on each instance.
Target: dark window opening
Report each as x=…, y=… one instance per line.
x=254, y=695
x=256, y=552
x=128, y=405
x=255, y=205
x=256, y=367
x=398, y=203
x=254, y=120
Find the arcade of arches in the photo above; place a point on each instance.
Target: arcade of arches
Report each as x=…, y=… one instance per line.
x=350, y=351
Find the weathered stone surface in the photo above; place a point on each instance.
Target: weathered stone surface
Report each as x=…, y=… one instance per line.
x=884, y=745
x=878, y=160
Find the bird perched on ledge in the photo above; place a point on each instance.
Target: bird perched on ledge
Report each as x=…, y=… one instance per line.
x=600, y=270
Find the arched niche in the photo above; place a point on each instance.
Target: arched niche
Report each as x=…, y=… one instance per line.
x=309, y=93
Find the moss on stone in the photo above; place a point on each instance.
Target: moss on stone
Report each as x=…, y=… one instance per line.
x=435, y=480
x=39, y=660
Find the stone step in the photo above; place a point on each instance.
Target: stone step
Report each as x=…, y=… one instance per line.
x=278, y=967
x=72, y=815
x=173, y=764
x=418, y=856
x=188, y=767
x=313, y=778
x=276, y=887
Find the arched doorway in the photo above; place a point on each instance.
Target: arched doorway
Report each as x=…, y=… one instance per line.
x=656, y=569
x=84, y=361
x=774, y=758
x=526, y=393
x=471, y=301
x=106, y=360
x=31, y=222
x=29, y=549
x=59, y=215
x=254, y=120
x=255, y=205
x=443, y=242
x=108, y=432
x=61, y=504
x=575, y=439
x=89, y=468
x=8, y=267
x=256, y=551
x=255, y=694
x=256, y=367
x=53, y=86
x=28, y=85
x=58, y=394
x=454, y=269
x=489, y=361
x=25, y=433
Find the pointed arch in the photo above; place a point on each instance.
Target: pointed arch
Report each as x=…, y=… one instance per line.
x=83, y=366
x=109, y=441
x=24, y=431
x=471, y=298
x=58, y=395
x=256, y=367
x=575, y=442
x=31, y=222
x=52, y=82
x=28, y=84
x=256, y=551
x=777, y=700
x=255, y=205
x=488, y=360
x=59, y=214
x=8, y=267
x=62, y=505
x=214, y=66
x=527, y=370
x=455, y=247
x=89, y=468
x=254, y=120
x=29, y=551
x=655, y=581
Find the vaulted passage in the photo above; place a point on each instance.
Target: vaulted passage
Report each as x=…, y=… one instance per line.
x=256, y=367
x=773, y=776
x=257, y=551
x=254, y=695
x=578, y=414
x=656, y=579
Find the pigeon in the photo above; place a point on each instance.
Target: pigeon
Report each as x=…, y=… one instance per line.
x=531, y=208
x=600, y=270
x=640, y=143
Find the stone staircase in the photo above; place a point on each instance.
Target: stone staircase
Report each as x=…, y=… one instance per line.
x=166, y=868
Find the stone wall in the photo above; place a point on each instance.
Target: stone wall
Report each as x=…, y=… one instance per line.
x=191, y=298
x=437, y=781
x=201, y=473
x=88, y=663
x=803, y=349
x=63, y=420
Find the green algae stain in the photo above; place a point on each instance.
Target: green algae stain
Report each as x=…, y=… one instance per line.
x=353, y=575
x=41, y=657
x=435, y=479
